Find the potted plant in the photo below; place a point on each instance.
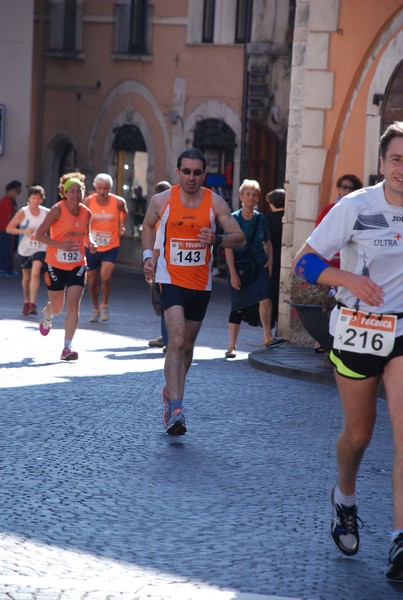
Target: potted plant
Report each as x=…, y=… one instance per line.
x=313, y=305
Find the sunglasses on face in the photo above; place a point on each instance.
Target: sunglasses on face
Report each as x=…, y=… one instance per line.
x=346, y=187
x=196, y=172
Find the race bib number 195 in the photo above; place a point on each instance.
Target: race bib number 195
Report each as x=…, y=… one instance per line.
x=365, y=333
x=187, y=253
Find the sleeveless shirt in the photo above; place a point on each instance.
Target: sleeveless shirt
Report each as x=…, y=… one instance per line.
x=28, y=245
x=69, y=227
x=184, y=260
x=105, y=222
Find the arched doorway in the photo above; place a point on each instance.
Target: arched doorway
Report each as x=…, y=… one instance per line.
x=217, y=142
x=392, y=107
x=262, y=159
x=131, y=177
x=60, y=158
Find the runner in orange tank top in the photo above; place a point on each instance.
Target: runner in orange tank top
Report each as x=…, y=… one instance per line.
x=188, y=215
x=68, y=224
x=109, y=214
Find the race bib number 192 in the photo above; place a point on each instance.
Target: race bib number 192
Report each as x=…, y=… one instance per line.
x=365, y=333
x=187, y=253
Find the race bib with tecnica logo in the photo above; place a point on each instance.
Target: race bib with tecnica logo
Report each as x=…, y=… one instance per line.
x=102, y=238
x=187, y=253
x=365, y=333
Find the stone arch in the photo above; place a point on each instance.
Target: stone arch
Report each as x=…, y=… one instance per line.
x=390, y=58
x=58, y=146
x=132, y=88
x=213, y=109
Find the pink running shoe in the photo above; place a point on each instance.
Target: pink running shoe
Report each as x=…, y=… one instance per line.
x=25, y=308
x=69, y=354
x=45, y=324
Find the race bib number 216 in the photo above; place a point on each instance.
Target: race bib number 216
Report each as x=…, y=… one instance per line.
x=365, y=333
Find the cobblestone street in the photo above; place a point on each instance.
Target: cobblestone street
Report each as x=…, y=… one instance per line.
x=99, y=503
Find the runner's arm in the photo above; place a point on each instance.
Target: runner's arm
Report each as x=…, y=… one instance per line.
x=234, y=236
x=123, y=214
x=361, y=286
x=13, y=228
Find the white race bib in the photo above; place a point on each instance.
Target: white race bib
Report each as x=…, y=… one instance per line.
x=187, y=253
x=102, y=238
x=70, y=256
x=33, y=243
x=365, y=333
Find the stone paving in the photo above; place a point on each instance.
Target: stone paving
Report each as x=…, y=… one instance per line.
x=98, y=503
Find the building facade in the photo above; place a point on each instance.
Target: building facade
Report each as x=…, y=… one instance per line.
x=346, y=87
x=16, y=53
x=123, y=87
x=291, y=93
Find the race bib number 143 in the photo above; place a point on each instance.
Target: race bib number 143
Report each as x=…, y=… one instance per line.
x=365, y=333
x=187, y=253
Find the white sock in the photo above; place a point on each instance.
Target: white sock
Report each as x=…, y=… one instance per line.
x=67, y=343
x=341, y=498
x=395, y=533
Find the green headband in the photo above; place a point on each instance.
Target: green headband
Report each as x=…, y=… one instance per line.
x=70, y=182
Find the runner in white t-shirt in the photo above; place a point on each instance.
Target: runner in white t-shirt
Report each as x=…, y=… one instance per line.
x=31, y=252
x=367, y=329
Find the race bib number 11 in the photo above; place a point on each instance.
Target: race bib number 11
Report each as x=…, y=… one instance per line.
x=365, y=333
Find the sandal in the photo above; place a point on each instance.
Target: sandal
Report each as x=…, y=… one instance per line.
x=274, y=342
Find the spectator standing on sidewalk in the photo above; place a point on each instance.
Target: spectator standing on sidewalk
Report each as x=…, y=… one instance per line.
x=367, y=328
x=276, y=201
x=8, y=208
x=68, y=223
x=345, y=185
x=109, y=214
x=187, y=214
x=162, y=341
x=245, y=294
x=31, y=252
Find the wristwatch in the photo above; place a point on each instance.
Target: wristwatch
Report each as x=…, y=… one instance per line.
x=218, y=239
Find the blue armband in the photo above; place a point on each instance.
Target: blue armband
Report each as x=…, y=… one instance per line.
x=310, y=266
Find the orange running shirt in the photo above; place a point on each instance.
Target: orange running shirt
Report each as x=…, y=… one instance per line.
x=184, y=260
x=69, y=227
x=105, y=222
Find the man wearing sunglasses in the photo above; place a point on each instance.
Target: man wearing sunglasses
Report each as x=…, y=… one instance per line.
x=187, y=216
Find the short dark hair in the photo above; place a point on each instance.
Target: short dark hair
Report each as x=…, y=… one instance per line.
x=13, y=185
x=194, y=154
x=276, y=197
x=357, y=183
x=36, y=189
x=393, y=130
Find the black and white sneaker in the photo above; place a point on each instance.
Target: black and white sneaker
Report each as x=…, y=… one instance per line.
x=395, y=566
x=344, y=528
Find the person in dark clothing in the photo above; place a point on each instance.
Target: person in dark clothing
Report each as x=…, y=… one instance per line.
x=276, y=201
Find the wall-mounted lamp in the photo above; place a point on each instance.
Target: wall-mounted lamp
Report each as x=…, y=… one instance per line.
x=377, y=99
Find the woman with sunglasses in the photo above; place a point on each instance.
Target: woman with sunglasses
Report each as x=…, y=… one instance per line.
x=345, y=185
